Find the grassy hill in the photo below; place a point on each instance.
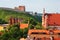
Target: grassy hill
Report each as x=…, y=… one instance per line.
x=6, y=13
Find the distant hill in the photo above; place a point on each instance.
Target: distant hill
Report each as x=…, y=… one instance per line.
x=6, y=13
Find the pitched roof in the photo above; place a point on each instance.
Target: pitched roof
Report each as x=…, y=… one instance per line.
x=54, y=19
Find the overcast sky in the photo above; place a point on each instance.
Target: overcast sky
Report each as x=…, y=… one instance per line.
x=33, y=5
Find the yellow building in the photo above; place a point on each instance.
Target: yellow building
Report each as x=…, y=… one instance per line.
x=1, y=28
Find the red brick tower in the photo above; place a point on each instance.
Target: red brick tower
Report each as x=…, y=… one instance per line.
x=21, y=8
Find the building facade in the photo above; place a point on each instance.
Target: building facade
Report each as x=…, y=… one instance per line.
x=20, y=8
x=51, y=20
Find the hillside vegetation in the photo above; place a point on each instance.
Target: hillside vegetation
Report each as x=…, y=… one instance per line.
x=6, y=14
x=14, y=32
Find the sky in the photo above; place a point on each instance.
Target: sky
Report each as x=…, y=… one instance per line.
x=33, y=5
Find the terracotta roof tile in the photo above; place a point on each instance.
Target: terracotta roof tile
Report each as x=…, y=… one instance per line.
x=22, y=26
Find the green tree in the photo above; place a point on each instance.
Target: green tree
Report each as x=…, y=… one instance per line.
x=25, y=32
x=32, y=23
x=3, y=21
x=21, y=33
x=31, y=26
x=13, y=33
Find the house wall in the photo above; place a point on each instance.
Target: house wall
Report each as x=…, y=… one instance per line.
x=51, y=19
x=1, y=28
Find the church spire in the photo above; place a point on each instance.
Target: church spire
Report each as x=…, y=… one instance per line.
x=43, y=10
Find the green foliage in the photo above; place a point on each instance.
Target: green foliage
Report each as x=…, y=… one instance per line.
x=39, y=18
x=38, y=27
x=25, y=32
x=32, y=23
x=3, y=21
x=21, y=33
x=31, y=26
x=5, y=36
x=6, y=14
x=13, y=33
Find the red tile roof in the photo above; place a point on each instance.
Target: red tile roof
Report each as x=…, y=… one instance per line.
x=54, y=19
x=22, y=26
